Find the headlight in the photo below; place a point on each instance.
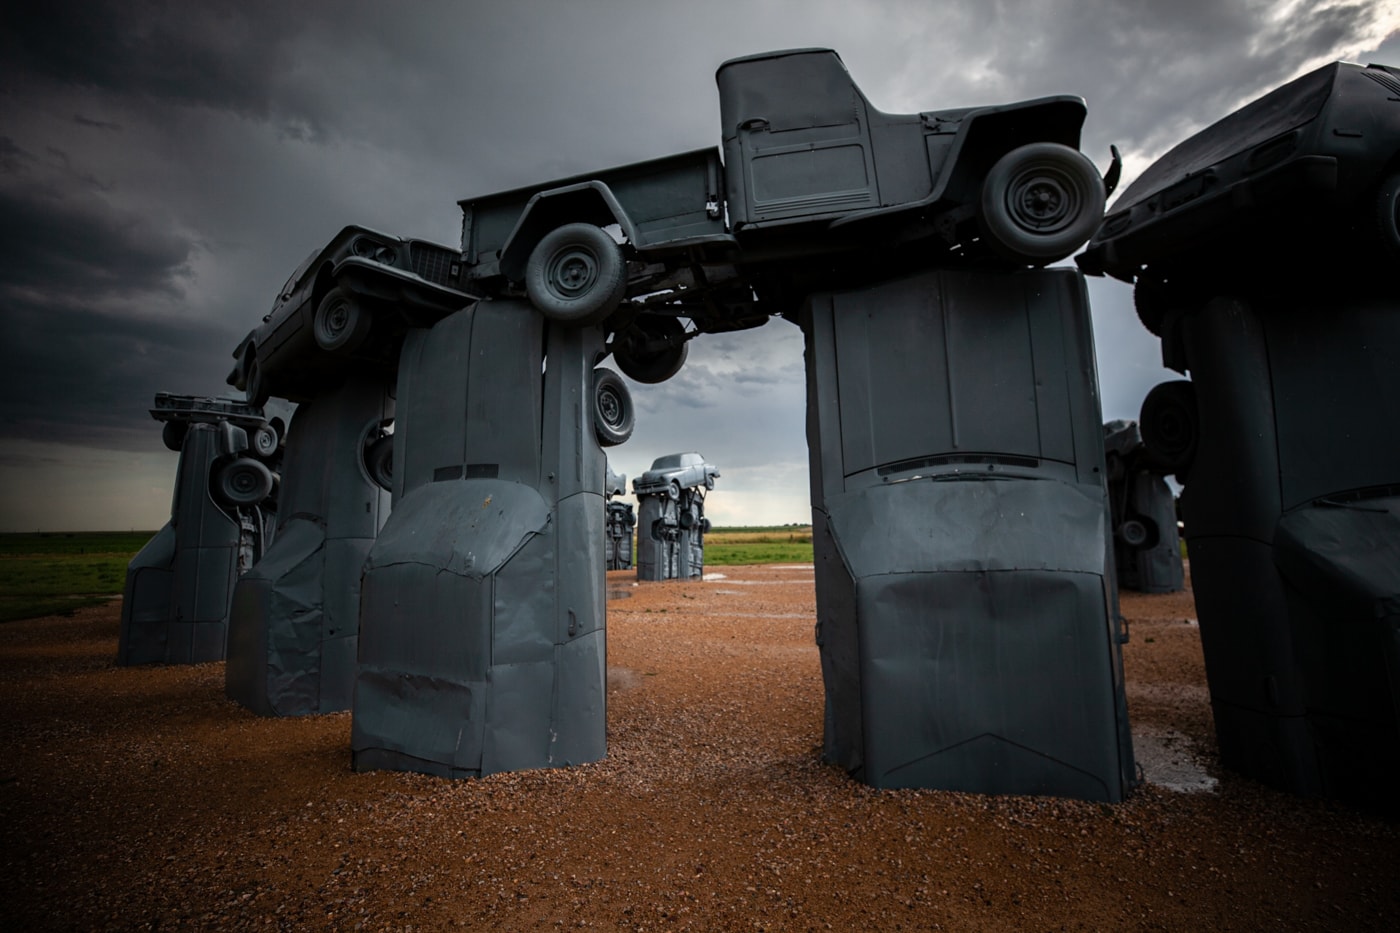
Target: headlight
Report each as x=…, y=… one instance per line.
x=372, y=249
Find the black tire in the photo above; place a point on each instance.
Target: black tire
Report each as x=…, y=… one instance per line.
x=705, y=526
x=1138, y=533
x=173, y=434
x=264, y=441
x=242, y=481
x=687, y=519
x=379, y=461
x=576, y=275
x=254, y=388
x=341, y=323
x=1156, y=293
x=1041, y=202
x=674, y=490
x=1387, y=217
x=652, y=349
x=1114, y=467
x=613, y=414
x=1171, y=427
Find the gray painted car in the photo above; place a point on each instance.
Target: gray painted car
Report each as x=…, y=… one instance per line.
x=361, y=282
x=807, y=166
x=1307, y=175
x=670, y=474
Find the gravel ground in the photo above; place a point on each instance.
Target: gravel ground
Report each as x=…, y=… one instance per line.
x=140, y=798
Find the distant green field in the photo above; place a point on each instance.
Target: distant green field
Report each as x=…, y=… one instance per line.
x=48, y=574
x=779, y=544
x=54, y=573
x=727, y=555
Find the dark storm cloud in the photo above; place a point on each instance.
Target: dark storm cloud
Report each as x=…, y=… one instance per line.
x=78, y=376
x=226, y=55
x=164, y=166
x=86, y=293
x=77, y=247
x=1153, y=72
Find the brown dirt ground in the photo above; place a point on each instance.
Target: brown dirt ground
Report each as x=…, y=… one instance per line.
x=140, y=798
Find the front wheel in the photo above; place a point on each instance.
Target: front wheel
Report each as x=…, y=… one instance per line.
x=576, y=275
x=341, y=323
x=613, y=418
x=1041, y=202
x=243, y=481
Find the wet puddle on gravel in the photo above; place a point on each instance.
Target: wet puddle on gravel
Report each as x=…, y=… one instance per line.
x=1168, y=759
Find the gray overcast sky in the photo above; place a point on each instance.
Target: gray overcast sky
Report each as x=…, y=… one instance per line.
x=164, y=167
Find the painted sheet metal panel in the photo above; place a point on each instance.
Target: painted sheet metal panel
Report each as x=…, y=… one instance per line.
x=967, y=610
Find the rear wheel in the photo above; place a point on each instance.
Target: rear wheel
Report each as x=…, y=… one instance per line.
x=613, y=418
x=576, y=275
x=1041, y=202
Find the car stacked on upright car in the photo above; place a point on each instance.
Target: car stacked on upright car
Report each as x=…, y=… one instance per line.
x=1306, y=176
x=362, y=282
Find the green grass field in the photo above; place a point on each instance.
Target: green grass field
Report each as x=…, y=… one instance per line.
x=55, y=573
x=791, y=544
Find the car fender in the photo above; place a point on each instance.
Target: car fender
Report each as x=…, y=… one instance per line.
x=590, y=202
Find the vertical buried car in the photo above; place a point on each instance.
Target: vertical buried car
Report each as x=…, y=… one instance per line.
x=1264, y=252
x=809, y=167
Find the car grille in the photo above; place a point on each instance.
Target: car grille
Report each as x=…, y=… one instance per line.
x=436, y=264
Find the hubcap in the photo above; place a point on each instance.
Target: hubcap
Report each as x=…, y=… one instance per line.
x=1043, y=199
x=610, y=406
x=337, y=320
x=572, y=272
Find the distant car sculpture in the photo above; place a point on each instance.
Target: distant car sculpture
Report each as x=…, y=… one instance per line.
x=361, y=282
x=672, y=522
x=1264, y=252
x=809, y=169
x=620, y=525
x=179, y=587
x=1146, y=543
x=671, y=474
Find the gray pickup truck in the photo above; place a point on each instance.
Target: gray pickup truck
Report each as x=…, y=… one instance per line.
x=809, y=169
